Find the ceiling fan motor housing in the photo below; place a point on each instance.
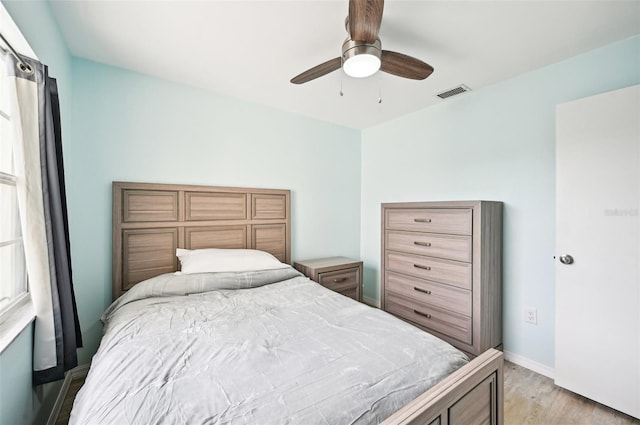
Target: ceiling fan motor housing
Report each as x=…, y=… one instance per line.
x=362, y=54
x=361, y=59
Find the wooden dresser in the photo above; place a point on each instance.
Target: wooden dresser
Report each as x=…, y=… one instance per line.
x=441, y=269
x=340, y=274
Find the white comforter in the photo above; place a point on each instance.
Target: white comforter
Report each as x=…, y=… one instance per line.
x=191, y=350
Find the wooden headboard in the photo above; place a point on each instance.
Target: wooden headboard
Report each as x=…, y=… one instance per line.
x=151, y=220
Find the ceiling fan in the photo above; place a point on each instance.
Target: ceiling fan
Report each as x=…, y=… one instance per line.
x=362, y=54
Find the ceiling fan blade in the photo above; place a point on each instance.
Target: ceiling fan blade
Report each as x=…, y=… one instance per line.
x=404, y=66
x=365, y=17
x=318, y=71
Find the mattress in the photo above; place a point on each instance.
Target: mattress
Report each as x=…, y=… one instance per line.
x=266, y=347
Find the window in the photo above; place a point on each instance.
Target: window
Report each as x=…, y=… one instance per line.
x=13, y=276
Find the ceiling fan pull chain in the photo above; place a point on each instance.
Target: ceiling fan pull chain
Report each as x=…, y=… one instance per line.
x=341, y=93
x=362, y=54
x=379, y=95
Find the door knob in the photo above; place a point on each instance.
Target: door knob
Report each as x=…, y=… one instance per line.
x=566, y=259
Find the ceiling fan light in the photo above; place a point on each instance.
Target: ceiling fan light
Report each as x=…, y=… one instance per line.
x=362, y=65
x=361, y=59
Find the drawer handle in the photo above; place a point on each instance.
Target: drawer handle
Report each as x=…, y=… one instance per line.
x=422, y=243
x=419, y=313
x=426, y=291
x=418, y=266
x=342, y=279
x=422, y=220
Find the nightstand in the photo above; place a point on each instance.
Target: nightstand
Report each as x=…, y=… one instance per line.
x=340, y=274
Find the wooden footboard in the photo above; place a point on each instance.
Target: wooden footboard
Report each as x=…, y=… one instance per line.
x=150, y=221
x=472, y=395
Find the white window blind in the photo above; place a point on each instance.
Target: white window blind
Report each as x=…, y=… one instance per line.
x=13, y=278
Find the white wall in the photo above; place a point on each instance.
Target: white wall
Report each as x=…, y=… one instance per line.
x=497, y=143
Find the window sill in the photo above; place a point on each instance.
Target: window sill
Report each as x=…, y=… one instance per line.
x=15, y=320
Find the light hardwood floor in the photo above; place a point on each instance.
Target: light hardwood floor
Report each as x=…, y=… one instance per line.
x=65, y=410
x=530, y=399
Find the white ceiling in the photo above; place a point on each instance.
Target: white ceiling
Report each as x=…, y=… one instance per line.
x=251, y=49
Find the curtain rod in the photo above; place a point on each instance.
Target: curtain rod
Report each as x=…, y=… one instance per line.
x=23, y=66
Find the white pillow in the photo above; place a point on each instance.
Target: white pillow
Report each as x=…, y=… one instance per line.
x=226, y=260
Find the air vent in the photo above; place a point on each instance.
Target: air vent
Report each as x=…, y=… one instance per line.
x=454, y=91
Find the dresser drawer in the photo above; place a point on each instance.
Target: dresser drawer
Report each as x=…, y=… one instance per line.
x=431, y=220
x=451, y=324
x=353, y=292
x=451, y=247
x=444, y=271
x=340, y=280
x=423, y=291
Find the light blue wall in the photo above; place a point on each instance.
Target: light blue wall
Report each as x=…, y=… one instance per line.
x=127, y=126
x=37, y=24
x=494, y=143
x=497, y=143
x=20, y=403
x=132, y=127
x=16, y=393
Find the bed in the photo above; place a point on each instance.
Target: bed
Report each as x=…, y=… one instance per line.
x=260, y=344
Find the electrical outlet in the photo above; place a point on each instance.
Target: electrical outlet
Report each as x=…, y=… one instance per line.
x=531, y=315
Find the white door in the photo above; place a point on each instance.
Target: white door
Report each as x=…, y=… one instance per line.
x=597, y=341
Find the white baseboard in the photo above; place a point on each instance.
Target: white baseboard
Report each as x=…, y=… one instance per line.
x=75, y=373
x=59, y=400
x=370, y=301
x=80, y=371
x=525, y=362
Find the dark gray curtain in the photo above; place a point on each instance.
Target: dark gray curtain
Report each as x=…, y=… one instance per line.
x=67, y=325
